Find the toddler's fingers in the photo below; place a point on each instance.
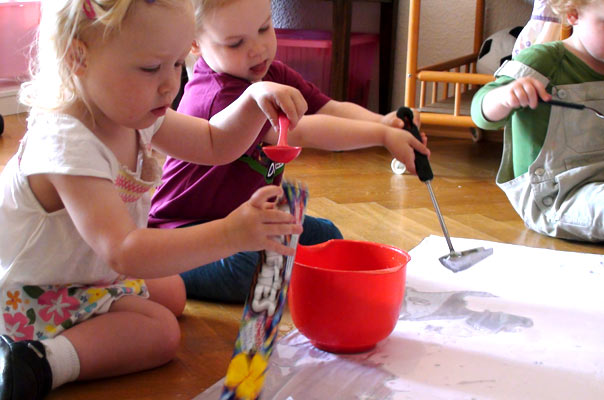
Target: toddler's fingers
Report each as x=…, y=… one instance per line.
x=294, y=108
x=392, y=120
x=424, y=138
x=282, y=229
x=410, y=162
x=532, y=93
x=271, y=114
x=520, y=97
x=273, y=237
x=419, y=146
x=275, y=216
x=276, y=246
x=264, y=194
x=542, y=92
x=398, y=123
x=285, y=106
x=301, y=107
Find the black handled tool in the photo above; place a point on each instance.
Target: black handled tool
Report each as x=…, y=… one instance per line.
x=422, y=165
x=575, y=106
x=455, y=261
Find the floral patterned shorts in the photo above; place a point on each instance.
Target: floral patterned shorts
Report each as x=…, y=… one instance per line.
x=41, y=312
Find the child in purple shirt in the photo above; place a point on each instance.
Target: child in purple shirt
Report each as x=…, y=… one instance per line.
x=193, y=193
x=236, y=43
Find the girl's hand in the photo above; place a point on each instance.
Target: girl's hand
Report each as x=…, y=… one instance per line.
x=256, y=224
x=391, y=119
x=402, y=144
x=273, y=97
x=523, y=92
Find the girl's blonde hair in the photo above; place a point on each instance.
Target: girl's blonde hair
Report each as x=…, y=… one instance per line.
x=204, y=7
x=53, y=85
x=562, y=7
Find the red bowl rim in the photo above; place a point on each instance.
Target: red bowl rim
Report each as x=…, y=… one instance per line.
x=366, y=272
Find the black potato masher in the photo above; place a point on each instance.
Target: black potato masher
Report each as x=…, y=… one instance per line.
x=455, y=261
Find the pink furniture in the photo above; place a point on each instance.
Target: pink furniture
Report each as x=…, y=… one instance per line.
x=310, y=52
x=18, y=23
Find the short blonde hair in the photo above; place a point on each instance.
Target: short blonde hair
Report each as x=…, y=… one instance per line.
x=53, y=85
x=562, y=7
x=204, y=7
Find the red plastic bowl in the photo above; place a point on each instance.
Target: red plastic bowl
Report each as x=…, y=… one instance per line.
x=345, y=295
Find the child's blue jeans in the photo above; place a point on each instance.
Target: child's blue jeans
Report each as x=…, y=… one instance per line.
x=229, y=279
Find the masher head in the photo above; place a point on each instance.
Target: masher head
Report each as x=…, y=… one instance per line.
x=458, y=261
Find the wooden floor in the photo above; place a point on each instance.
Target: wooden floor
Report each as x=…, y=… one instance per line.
x=358, y=191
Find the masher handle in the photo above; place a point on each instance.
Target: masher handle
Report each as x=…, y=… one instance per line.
x=422, y=165
x=565, y=104
x=283, y=128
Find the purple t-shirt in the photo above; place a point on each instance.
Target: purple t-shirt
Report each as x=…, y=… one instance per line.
x=192, y=193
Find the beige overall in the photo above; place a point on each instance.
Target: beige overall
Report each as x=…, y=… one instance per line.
x=562, y=194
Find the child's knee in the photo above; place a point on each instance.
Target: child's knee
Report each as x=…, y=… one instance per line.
x=167, y=338
x=333, y=231
x=318, y=230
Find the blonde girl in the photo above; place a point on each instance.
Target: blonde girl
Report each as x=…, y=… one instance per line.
x=87, y=291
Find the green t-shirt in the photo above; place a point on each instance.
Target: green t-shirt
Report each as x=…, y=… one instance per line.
x=528, y=127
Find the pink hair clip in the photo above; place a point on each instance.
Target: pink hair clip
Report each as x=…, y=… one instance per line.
x=88, y=10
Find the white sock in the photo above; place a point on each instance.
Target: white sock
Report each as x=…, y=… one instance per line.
x=63, y=360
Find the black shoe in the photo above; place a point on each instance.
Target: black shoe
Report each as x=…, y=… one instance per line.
x=24, y=371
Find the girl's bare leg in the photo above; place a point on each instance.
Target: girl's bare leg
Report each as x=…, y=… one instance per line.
x=169, y=292
x=136, y=334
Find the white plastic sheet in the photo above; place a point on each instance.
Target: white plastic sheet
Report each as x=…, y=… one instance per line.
x=524, y=323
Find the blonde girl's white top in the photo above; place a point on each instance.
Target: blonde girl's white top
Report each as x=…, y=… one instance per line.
x=37, y=247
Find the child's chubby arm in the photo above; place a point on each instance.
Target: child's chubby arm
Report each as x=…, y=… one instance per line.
x=522, y=92
x=231, y=132
x=334, y=133
x=103, y=221
x=350, y=110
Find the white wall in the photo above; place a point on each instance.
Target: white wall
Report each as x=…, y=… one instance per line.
x=446, y=31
